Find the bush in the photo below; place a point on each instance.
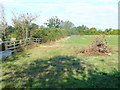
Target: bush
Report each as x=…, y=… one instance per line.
x=50, y=34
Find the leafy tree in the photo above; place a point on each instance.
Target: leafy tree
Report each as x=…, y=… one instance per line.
x=67, y=25
x=82, y=29
x=107, y=31
x=9, y=30
x=93, y=31
x=54, y=22
x=115, y=32
x=32, y=28
x=99, y=32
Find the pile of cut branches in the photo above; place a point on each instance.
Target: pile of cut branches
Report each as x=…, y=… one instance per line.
x=98, y=47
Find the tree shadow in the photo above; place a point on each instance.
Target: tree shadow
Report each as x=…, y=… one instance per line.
x=15, y=56
x=61, y=72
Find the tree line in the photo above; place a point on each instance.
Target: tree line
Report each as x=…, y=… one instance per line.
x=23, y=26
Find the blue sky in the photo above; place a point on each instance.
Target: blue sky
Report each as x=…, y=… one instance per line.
x=101, y=14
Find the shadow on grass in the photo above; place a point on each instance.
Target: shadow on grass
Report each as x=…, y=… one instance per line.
x=59, y=71
x=15, y=56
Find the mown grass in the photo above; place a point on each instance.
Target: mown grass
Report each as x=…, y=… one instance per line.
x=58, y=65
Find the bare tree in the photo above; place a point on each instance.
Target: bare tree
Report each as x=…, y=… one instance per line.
x=3, y=23
x=22, y=22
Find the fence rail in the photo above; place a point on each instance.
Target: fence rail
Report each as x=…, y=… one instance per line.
x=15, y=44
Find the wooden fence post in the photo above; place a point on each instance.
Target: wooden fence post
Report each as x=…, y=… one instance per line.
x=20, y=42
x=36, y=40
x=6, y=47
x=14, y=46
x=25, y=41
x=39, y=40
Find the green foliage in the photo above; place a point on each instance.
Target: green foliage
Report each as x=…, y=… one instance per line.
x=23, y=27
x=53, y=22
x=49, y=34
x=83, y=30
x=23, y=24
x=67, y=25
x=52, y=34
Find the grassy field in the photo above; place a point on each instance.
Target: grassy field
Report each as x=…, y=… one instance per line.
x=58, y=65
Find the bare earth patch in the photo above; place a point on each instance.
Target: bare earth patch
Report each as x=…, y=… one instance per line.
x=53, y=44
x=63, y=39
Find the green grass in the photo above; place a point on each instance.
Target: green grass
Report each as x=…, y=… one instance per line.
x=58, y=65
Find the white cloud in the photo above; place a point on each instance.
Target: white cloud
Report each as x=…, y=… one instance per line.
x=61, y=4
x=7, y=1
x=99, y=13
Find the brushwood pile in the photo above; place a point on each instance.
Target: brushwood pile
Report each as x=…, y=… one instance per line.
x=98, y=47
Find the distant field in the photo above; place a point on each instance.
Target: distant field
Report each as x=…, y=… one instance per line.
x=58, y=65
